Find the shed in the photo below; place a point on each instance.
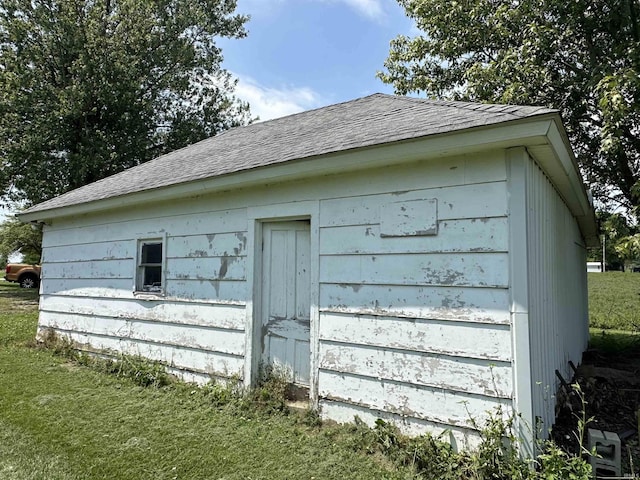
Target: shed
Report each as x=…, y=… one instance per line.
x=414, y=260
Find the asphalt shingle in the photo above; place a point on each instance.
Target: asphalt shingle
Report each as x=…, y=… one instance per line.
x=364, y=122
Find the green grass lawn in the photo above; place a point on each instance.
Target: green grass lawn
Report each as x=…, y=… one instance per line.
x=614, y=301
x=63, y=421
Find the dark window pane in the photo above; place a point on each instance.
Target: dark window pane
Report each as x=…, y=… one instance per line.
x=152, y=253
x=152, y=277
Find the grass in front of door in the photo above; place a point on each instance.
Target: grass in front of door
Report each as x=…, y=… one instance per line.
x=64, y=421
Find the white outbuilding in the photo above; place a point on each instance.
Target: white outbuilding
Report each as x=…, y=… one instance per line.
x=415, y=260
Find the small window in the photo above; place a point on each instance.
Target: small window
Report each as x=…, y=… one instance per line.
x=150, y=260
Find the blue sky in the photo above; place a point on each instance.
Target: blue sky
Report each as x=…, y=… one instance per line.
x=302, y=54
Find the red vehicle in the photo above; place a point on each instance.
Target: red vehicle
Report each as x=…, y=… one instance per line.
x=28, y=276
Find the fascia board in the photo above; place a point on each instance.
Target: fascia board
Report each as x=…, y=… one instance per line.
x=525, y=132
x=561, y=166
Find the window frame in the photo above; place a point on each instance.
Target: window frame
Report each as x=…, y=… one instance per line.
x=138, y=287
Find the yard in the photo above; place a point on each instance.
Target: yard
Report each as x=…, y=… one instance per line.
x=62, y=420
x=614, y=301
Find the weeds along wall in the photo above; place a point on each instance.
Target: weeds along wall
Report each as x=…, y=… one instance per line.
x=412, y=326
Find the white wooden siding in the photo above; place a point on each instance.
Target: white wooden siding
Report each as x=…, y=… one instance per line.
x=454, y=236
x=437, y=405
x=417, y=326
x=558, y=325
x=440, y=269
x=414, y=326
x=211, y=364
x=484, y=305
x=460, y=339
x=162, y=333
x=479, y=201
x=189, y=313
x=459, y=437
x=453, y=373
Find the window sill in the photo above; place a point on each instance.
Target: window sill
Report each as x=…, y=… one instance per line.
x=149, y=296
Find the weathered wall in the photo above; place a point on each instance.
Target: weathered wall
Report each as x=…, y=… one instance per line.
x=88, y=276
x=411, y=327
x=558, y=316
x=418, y=325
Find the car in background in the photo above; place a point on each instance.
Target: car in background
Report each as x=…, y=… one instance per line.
x=28, y=276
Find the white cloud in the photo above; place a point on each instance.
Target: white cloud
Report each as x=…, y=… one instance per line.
x=268, y=102
x=369, y=8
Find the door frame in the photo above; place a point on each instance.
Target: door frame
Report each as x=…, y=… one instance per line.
x=256, y=216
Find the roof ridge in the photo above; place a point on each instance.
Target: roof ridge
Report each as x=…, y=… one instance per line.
x=303, y=112
x=468, y=105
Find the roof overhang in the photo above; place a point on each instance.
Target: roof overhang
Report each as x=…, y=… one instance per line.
x=543, y=136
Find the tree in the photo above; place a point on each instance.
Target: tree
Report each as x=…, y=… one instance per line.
x=91, y=87
x=16, y=236
x=618, y=234
x=580, y=56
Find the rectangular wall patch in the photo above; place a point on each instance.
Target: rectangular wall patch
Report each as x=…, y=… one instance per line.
x=409, y=219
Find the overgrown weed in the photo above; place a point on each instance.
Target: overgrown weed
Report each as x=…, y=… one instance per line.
x=140, y=370
x=497, y=456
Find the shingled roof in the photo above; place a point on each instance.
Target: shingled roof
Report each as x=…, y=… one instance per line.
x=364, y=122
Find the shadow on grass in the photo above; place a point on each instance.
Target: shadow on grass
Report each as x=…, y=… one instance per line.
x=615, y=342
x=12, y=291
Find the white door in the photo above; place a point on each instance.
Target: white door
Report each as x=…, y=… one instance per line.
x=285, y=298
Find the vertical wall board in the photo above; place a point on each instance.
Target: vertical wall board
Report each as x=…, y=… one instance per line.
x=557, y=293
x=519, y=209
x=468, y=375
x=454, y=236
x=484, y=342
x=460, y=269
x=88, y=270
x=232, y=244
x=465, y=304
x=206, y=268
x=197, y=337
x=459, y=437
x=199, y=314
x=211, y=363
x=435, y=405
x=489, y=200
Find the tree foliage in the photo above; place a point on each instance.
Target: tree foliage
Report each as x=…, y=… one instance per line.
x=580, y=56
x=24, y=238
x=91, y=87
x=621, y=241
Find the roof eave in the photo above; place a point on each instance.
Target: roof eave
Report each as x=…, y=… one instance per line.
x=523, y=132
x=557, y=160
